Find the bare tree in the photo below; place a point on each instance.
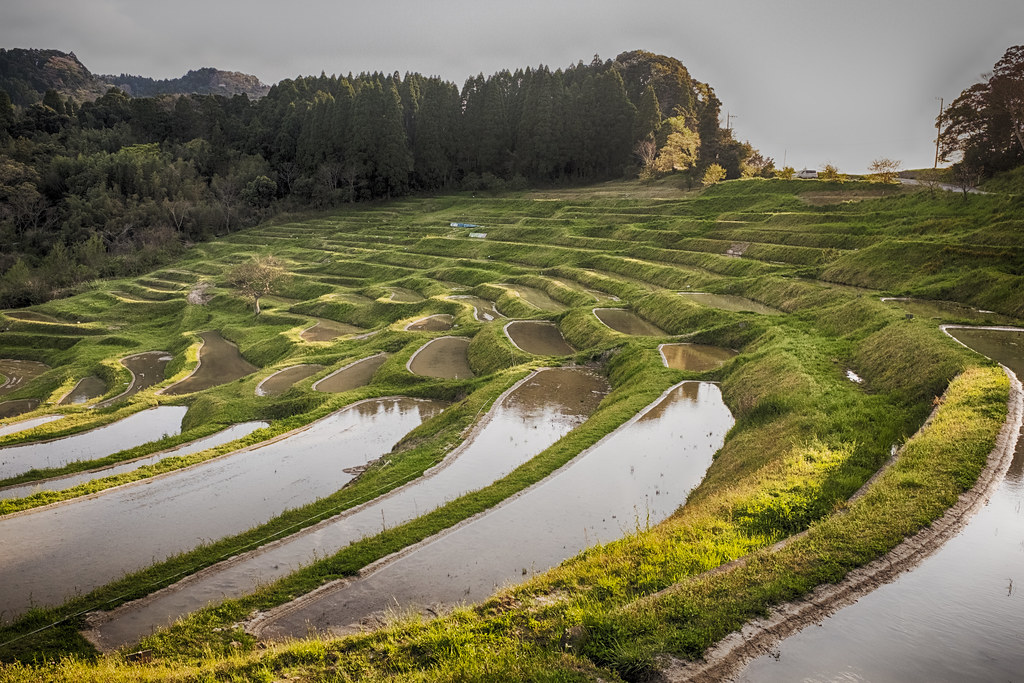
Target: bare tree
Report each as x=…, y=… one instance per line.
x=646, y=151
x=885, y=170
x=256, y=277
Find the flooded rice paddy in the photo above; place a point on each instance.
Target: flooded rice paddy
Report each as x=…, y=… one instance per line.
x=537, y=298
x=444, y=357
x=958, y=616
x=86, y=390
x=329, y=330
x=219, y=363
x=59, y=483
x=945, y=310
x=23, y=425
x=14, y=374
x=434, y=323
x=134, y=430
x=694, y=357
x=147, y=370
x=729, y=302
x=282, y=380
x=627, y=322
x=17, y=407
x=639, y=474
x=528, y=418
x=538, y=337
x=483, y=310
x=352, y=376
x=53, y=553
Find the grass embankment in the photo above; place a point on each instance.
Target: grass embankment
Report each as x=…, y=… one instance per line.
x=805, y=438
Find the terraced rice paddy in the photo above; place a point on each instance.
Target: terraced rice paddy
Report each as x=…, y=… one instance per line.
x=772, y=300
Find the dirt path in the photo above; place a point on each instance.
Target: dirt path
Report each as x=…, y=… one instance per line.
x=726, y=660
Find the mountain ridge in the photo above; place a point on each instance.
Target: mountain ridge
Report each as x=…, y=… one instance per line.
x=27, y=73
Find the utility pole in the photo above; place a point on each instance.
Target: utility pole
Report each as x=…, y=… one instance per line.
x=728, y=120
x=938, y=132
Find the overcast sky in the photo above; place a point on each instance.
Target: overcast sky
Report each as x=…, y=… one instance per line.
x=809, y=81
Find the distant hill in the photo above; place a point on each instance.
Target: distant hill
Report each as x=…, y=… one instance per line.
x=207, y=81
x=28, y=73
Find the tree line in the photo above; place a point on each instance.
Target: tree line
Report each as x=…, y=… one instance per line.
x=115, y=186
x=983, y=128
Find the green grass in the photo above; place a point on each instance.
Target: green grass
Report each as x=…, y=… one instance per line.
x=805, y=437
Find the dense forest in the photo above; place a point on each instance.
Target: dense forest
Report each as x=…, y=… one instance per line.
x=114, y=185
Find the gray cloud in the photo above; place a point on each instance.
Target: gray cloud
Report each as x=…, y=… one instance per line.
x=815, y=81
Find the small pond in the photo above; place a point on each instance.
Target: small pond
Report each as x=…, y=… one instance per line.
x=17, y=407
x=147, y=370
x=352, y=376
x=403, y=295
x=87, y=389
x=444, y=357
x=282, y=380
x=729, y=302
x=538, y=337
x=219, y=363
x=14, y=374
x=627, y=322
x=694, y=357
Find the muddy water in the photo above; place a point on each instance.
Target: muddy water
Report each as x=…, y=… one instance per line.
x=945, y=310
x=444, y=357
x=694, y=357
x=147, y=370
x=219, y=363
x=14, y=374
x=729, y=302
x=17, y=407
x=483, y=310
x=27, y=424
x=434, y=323
x=58, y=483
x=638, y=475
x=627, y=322
x=524, y=421
x=328, y=330
x=87, y=389
x=282, y=381
x=959, y=616
x=352, y=376
x=52, y=553
x=536, y=297
x=538, y=337
x=135, y=430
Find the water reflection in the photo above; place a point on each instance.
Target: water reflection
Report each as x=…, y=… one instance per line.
x=694, y=357
x=538, y=337
x=640, y=474
x=134, y=430
x=444, y=357
x=282, y=380
x=147, y=370
x=52, y=553
x=956, y=617
x=528, y=419
x=352, y=376
x=627, y=322
x=219, y=363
